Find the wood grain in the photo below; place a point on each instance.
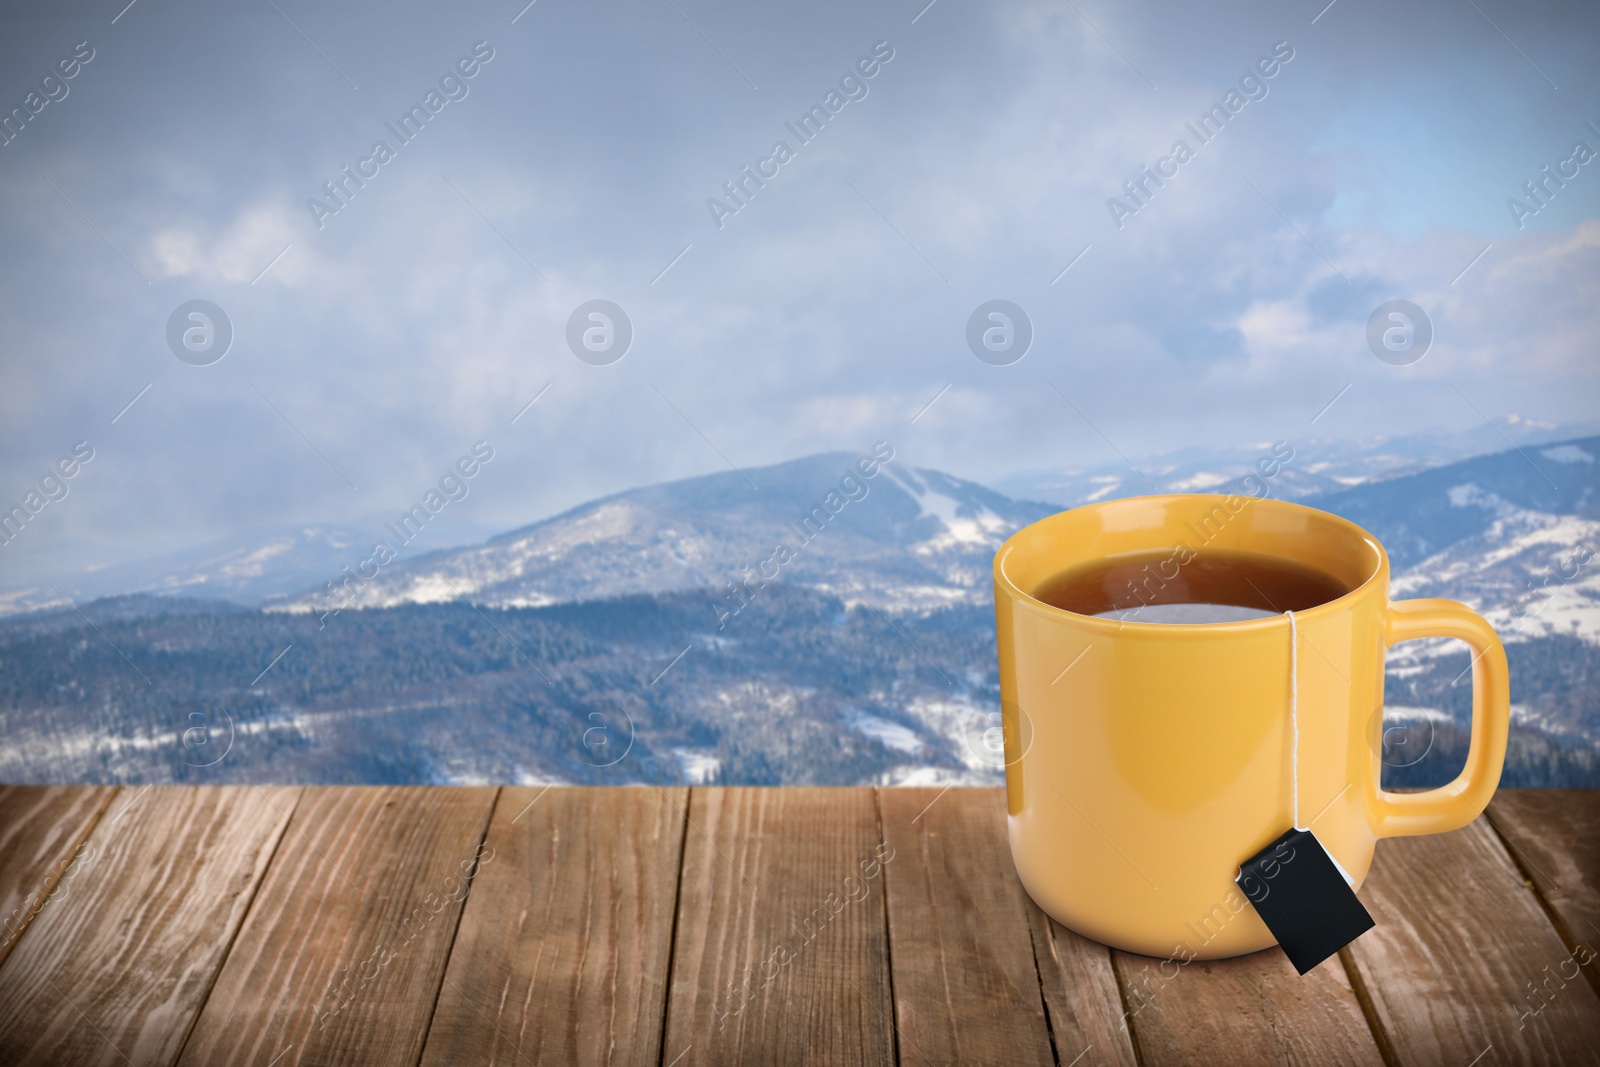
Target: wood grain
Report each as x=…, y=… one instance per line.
x=43, y=848
x=325, y=937
x=781, y=955
x=116, y=971
x=1249, y=1009
x=562, y=953
x=1082, y=995
x=966, y=989
x=1554, y=835
x=1459, y=940
x=341, y=958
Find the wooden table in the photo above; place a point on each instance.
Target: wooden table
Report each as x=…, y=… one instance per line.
x=281, y=926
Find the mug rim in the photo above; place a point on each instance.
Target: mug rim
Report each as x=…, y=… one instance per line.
x=1329, y=607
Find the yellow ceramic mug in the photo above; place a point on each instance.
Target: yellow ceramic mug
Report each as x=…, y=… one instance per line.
x=1144, y=761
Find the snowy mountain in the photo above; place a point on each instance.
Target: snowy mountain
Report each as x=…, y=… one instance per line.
x=904, y=539
x=246, y=569
x=1423, y=514
x=1319, y=466
x=809, y=626
x=1505, y=532
x=1515, y=534
x=916, y=540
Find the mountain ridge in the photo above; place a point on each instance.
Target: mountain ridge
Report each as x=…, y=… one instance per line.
x=868, y=657
x=919, y=538
x=910, y=536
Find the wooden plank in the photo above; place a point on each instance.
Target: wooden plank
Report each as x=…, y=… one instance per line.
x=1459, y=942
x=1080, y=990
x=1554, y=836
x=117, y=972
x=562, y=953
x=781, y=954
x=44, y=832
x=1249, y=1009
x=966, y=989
x=341, y=957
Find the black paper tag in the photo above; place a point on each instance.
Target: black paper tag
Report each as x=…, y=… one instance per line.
x=1303, y=898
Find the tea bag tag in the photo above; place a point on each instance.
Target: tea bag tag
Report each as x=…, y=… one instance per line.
x=1300, y=891
x=1304, y=897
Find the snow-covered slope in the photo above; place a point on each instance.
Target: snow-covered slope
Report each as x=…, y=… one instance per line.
x=906, y=539
x=1515, y=534
x=246, y=569
x=1532, y=573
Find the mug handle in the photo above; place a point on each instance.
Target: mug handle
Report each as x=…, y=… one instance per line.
x=1453, y=806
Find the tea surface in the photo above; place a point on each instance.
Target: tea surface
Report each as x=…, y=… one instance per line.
x=1210, y=587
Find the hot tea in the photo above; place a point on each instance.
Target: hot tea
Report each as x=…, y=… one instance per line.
x=1198, y=587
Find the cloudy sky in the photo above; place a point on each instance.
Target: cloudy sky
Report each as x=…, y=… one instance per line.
x=373, y=345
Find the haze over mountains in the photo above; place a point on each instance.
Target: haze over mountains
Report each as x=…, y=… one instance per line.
x=1322, y=465
x=867, y=655
x=293, y=563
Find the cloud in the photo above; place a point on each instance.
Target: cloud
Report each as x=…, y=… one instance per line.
x=430, y=310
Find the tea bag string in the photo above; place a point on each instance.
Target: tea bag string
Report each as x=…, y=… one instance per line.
x=1294, y=721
